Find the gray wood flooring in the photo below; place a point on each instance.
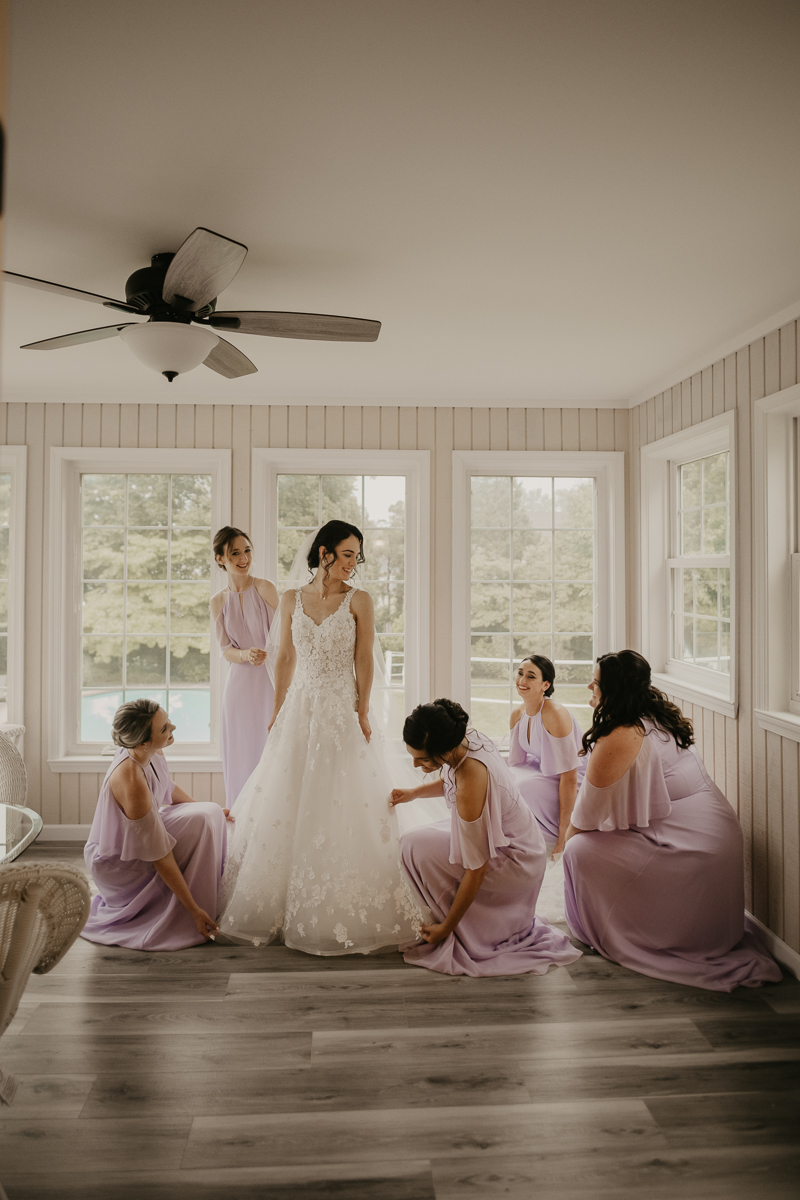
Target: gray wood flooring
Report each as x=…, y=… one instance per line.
x=225, y=1072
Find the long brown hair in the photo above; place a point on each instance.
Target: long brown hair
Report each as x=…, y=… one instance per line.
x=627, y=696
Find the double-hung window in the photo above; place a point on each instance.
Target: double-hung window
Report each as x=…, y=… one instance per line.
x=688, y=558
x=137, y=566
x=543, y=536
x=12, y=581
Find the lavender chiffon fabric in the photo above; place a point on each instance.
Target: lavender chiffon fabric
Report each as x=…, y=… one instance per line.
x=135, y=908
x=657, y=881
x=537, y=760
x=499, y=934
x=249, y=696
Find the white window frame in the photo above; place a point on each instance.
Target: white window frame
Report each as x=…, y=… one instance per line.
x=268, y=464
x=776, y=574
x=14, y=461
x=608, y=471
x=67, y=464
x=659, y=498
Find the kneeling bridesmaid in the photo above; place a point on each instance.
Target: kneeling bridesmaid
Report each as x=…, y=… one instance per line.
x=543, y=755
x=155, y=854
x=654, y=868
x=480, y=872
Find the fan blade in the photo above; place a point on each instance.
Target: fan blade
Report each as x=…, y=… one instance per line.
x=226, y=359
x=308, y=326
x=45, y=286
x=77, y=339
x=202, y=268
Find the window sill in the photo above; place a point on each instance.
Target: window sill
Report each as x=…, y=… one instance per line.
x=785, y=724
x=96, y=763
x=705, y=697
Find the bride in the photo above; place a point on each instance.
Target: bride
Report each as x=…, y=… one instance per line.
x=314, y=857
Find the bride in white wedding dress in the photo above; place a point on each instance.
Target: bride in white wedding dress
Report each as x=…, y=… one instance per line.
x=314, y=857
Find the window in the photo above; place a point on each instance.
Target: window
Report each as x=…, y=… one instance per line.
x=146, y=584
x=688, y=554
x=544, y=534
x=12, y=578
x=531, y=590
x=385, y=494
x=133, y=575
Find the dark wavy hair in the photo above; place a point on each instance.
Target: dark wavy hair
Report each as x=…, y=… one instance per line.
x=545, y=666
x=331, y=535
x=223, y=538
x=627, y=696
x=436, y=728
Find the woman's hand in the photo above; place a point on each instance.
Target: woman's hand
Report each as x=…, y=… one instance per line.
x=558, y=849
x=254, y=656
x=363, y=720
x=204, y=924
x=402, y=795
x=433, y=934
x=228, y=816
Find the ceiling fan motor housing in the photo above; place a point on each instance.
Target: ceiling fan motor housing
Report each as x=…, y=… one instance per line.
x=144, y=288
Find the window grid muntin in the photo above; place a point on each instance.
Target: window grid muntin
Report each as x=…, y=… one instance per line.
x=167, y=688
x=581, y=710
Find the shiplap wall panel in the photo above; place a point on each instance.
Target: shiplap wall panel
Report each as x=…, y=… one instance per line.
x=759, y=772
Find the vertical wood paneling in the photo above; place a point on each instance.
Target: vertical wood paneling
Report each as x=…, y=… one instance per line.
x=648, y=434
x=718, y=388
x=775, y=832
x=73, y=424
x=668, y=413
x=70, y=808
x=552, y=429
x=587, y=429
x=201, y=786
x=297, y=426
x=278, y=425
x=605, y=429
x=441, y=566
x=790, y=768
x=315, y=426
x=686, y=404
x=370, y=428
x=677, y=409
x=659, y=417
x=788, y=354
x=516, y=429
x=128, y=426
x=109, y=425
x=719, y=752
x=3, y=417
x=259, y=425
x=407, y=428
x=204, y=426
x=462, y=429
x=165, y=426
x=15, y=424
x=570, y=429
x=729, y=382
x=632, y=530
x=33, y=435
x=706, y=394
x=223, y=420
x=697, y=398
x=757, y=385
x=184, y=427
x=772, y=362
x=498, y=428
x=732, y=762
x=334, y=427
x=621, y=428
x=53, y=435
x=389, y=428
x=481, y=433
x=88, y=791
x=148, y=425
x=534, y=426
x=92, y=414
x=426, y=429
x=352, y=428
x=241, y=438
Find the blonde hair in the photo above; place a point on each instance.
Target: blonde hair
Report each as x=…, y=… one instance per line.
x=133, y=723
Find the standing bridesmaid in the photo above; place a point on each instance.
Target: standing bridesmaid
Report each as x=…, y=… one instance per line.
x=242, y=613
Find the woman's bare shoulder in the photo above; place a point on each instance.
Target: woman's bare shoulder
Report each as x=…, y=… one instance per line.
x=361, y=600
x=267, y=591
x=556, y=719
x=613, y=754
x=129, y=788
x=217, y=603
x=516, y=716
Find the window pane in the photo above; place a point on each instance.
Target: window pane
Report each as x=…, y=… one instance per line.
x=691, y=535
x=4, y=607
x=103, y=499
x=341, y=499
x=533, y=503
x=573, y=554
x=715, y=479
x=147, y=608
x=571, y=653
x=189, y=608
x=298, y=500
x=147, y=554
x=491, y=607
x=189, y=660
x=190, y=554
x=102, y=661
x=145, y=660
x=97, y=715
x=103, y=608
x=527, y=644
x=490, y=708
x=3, y=546
x=3, y=658
x=491, y=662
x=724, y=592
x=703, y=509
x=191, y=500
x=103, y=554
x=289, y=542
x=491, y=553
x=190, y=713
x=384, y=500
x=574, y=607
x=384, y=554
x=573, y=503
x=715, y=529
x=705, y=591
x=491, y=502
x=691, y=484
x=533, y=550
x=148, y=499
x=532, y=607
x=389, y=602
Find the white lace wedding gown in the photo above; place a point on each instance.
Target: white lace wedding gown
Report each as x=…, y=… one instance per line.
x=314, y=855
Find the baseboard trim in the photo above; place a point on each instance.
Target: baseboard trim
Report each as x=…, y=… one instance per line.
x=64, y=833
x=777, y=947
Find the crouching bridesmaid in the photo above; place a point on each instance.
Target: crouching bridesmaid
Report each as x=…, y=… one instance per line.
x=155, y=854
x=480, y=872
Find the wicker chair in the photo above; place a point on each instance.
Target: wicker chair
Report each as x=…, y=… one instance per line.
x=13, y=776
x=43, y=908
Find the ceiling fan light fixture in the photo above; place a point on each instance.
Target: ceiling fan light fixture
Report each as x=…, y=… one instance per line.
x=168, y=347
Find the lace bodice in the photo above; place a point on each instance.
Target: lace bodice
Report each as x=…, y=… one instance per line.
x=325, y=652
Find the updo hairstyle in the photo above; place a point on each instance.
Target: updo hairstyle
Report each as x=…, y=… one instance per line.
x=436, y=728
x=627, y=696
x=546, y=667
x=133, y=723
x=331, y=535
x=223, y=538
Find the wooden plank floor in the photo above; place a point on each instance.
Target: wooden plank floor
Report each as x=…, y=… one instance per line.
x=223, y=1072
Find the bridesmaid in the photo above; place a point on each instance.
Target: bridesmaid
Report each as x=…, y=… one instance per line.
x=654, y=875
x=543, y=755
x=242, y=613
x=155, y=854
x=480, y=872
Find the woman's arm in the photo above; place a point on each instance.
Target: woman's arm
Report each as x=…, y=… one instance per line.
x=403, y=795
x=170, y=872
x=362, y=610
x=467, y=891
x=610, y=759
x=567, y=795
x=253, y=655
x=286, y=657
x=471, y=788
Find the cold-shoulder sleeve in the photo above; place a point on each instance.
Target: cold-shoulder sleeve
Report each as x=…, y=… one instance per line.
x=516, y=755
x=221, y=631
x=636, y=799
x=559, y=754
x=472, y=843
x=145, y=839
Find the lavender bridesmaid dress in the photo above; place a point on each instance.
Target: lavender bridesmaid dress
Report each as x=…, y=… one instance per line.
x=135, y=908
x=249, y=696
x=657, y=881
x=537, y=760
x=499, y=934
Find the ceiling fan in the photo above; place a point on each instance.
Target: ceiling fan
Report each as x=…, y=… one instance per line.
x=178, y=292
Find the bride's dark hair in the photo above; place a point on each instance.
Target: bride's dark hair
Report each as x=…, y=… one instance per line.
x=332, y=534
x=436, y=728
x=627, y=696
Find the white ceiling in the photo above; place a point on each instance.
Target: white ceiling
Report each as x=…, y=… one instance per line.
x=544, y=200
